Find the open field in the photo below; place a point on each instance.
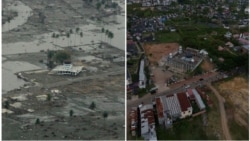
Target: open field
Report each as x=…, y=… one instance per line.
x=236, y=93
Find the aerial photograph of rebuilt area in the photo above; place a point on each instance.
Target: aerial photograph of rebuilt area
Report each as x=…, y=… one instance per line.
x=187, y=69
x=63, y=69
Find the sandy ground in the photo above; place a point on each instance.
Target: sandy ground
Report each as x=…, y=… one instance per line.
x=160, y=77
x=207, y=65
x=156, y=51
x=236, y=92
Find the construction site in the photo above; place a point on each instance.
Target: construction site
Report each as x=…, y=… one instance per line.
x=68, y=101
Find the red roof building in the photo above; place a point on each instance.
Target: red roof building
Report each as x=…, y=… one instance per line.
x=186, y=108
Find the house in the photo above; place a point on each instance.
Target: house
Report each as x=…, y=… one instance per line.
x=220, y=48
x=203, y=52
x=186, y=108
x=229, y=44
x=228, y=35
x=147, y=122
x=142, y=76
x=67, y=69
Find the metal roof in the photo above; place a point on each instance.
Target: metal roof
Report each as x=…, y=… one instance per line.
x=199, y=101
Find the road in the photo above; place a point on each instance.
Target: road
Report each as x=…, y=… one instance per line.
x=223, y=115
x=176, y=88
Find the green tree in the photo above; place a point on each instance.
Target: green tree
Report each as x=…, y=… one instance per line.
x=48, y=97
x=105, y=115
x=77, y=29
x=6, y=104
x=71, y=112
x=98, y=6
x=61, y=56
x=92, y=106
x=37, y=121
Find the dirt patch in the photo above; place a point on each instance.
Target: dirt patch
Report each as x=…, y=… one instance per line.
x=207, y=65
x=156, y=51
x=236, y=92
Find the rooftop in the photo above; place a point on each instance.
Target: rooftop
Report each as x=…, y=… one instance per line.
x=184, y=102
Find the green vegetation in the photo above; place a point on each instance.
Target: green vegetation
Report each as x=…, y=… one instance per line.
x=186, y=129
x=61, y=56
x=92, y=106
x=6, y=104
x=105, y=114
x=71, y=112
x=237, y=131
x=48, y=97
x=168, y=37
x=37, y=121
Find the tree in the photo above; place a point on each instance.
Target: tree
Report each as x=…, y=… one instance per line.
x=48, y=97
x=71, y=112
x=92, y=106
x=105, y=115
x=77, y=29
x=37, y=121
x=98, y=6
x=61, y=56
x=6, y=104
x=70, y=31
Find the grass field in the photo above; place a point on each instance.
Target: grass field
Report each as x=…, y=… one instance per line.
x=187, y=129
x=168, y=37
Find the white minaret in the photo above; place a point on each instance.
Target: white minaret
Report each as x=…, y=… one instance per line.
x=170, y=55
x=180, y=49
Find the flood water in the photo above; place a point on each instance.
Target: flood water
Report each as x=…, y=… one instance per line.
x=10, y=81
x=45, y=41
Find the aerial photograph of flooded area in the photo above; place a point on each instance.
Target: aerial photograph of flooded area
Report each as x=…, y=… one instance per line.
x=63, y=69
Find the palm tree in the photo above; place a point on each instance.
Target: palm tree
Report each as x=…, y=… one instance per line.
x=81, y=34
x=103, y=30
x=105, y=115
x=110, y=36
x=106, y=33
x=71, y=112
x=68, y=35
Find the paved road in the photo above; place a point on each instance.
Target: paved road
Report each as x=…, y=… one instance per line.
x=176, y=88
x=224, y=125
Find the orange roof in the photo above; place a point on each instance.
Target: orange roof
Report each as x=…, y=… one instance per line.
x=159, y=107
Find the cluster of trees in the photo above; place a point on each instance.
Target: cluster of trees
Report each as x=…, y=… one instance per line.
x=57, y=56
x=108, y=34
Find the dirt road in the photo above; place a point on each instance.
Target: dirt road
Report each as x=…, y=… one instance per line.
x=224, y=125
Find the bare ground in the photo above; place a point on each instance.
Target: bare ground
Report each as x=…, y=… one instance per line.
x=156, y=51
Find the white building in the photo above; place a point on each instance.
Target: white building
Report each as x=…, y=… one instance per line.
x=142, y=76
x=67, y=69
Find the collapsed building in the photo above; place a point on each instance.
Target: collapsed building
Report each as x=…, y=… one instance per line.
x=67, y=69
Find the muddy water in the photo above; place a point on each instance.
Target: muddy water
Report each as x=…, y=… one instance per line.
x=9, y=80
x=23, y=13
x=45, y=41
